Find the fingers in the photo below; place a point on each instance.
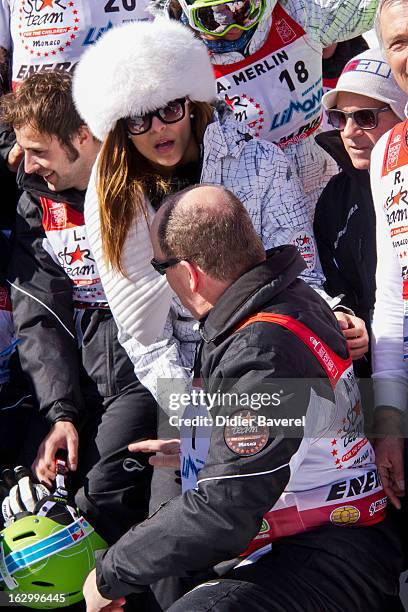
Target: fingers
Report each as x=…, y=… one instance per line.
x=352, y=333
x=72, y=453
x=116, y=605
x=63, y=435
x=342, y=324
x=43, y=470
x=388, y=488
x=9, y=478
x=168, y=452
x=390, y=462
x=168, y=447
x=357, y=341
x=165, y=461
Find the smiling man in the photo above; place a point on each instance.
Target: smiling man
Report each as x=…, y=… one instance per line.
x=364, y=105
x=82, y=377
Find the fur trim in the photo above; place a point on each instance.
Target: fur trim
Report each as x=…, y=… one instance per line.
x=139, y=67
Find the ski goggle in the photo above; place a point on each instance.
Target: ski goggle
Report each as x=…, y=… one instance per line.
x=364, y=118
x=217, y=17
x=171, y=113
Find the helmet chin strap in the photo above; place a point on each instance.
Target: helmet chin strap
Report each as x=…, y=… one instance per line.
x=222, y=45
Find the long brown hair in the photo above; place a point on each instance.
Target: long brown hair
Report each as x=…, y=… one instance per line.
x=123, y=175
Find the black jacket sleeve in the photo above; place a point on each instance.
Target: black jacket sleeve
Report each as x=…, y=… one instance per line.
x=216, y=521
x=7, y=142
x=322, y=227
x=43, y=314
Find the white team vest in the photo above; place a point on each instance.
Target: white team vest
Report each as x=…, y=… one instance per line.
x=334, y=478
x=68, y=245
x=277, y=90
x=51, y=35
x=394, y=201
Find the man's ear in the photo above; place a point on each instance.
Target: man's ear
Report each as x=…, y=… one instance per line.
x=193, y=275
x=84, y=134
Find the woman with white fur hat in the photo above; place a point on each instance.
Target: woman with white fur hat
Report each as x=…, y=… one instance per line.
x=151, y=107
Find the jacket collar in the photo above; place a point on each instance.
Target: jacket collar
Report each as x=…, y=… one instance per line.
x=332, y=143
x=253, y=290
x=36, y=185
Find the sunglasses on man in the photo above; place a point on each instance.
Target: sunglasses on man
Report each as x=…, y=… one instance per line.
x=364, y=118
x=162, y=266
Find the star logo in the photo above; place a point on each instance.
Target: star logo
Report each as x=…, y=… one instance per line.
x=46, y=3
x=76, y=255
x=396, y=198
x=230, y=102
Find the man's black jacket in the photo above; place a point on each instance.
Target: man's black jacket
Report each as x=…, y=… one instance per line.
x=344, y=228
x=216, y=521
x=63, y=375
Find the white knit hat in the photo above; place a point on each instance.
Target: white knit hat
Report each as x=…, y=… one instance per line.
x=368, y=74
x=139, y=67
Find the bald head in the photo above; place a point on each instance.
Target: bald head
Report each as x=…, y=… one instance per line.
x=208, y=225
x=212, y=197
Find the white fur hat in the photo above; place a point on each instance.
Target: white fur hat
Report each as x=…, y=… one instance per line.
x=139, y=67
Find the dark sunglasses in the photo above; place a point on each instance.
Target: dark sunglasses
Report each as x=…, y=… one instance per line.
x=162, y=266
x=171, y=113
x=364, y=118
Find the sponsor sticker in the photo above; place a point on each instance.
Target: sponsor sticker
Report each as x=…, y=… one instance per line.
x=378, y=505
x=345, y=515
x=248, y=438
x=285, y=31
x=305, y=244
x=392, y=156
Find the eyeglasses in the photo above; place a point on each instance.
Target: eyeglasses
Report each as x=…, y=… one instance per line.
x=364, y=118
x=162, y=266
x=217, y=17
x=171, y=113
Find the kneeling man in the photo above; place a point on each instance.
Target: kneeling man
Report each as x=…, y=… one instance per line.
x=288, y=463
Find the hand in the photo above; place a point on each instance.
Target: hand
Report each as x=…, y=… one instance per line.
x=95, y=601
x=20, y=493
x=14, y=158
x=389, y=453
x=62, y=435
x=169, y=452
x=355, y=333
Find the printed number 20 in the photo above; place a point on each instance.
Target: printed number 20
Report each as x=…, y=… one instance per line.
x=111, y=7
x=301, y=73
